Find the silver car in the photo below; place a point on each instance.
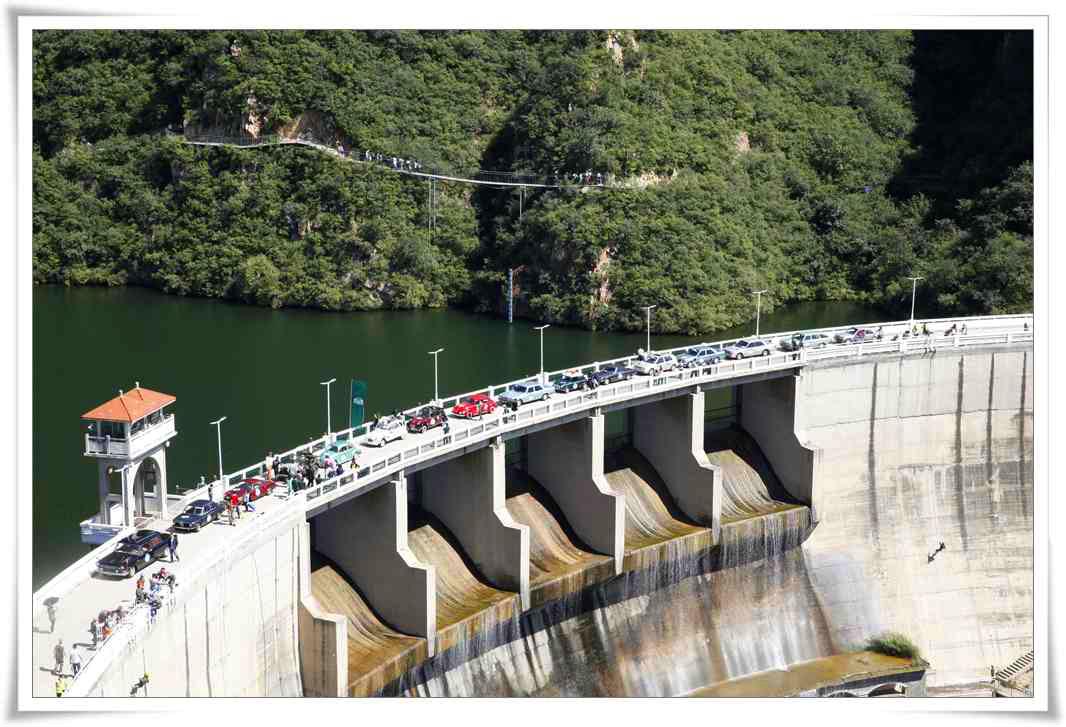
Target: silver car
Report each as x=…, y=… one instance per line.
x=746, y=348
x=651, y=364
x=524, y=393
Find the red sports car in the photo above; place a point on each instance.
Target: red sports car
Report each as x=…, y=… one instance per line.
x=256, y=487
x=474, y=406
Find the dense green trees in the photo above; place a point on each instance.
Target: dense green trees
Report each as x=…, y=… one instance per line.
x=750, y=159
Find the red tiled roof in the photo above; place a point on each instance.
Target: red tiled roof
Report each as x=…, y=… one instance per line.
x=130, y=406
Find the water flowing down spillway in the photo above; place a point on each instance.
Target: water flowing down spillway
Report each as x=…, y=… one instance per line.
x=749, y=485
x=376, y=653
x=703, y=630
x=557, y=566
x=651, y=516
x=467, y=608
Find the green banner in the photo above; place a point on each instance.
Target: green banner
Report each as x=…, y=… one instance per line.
x=357, y=403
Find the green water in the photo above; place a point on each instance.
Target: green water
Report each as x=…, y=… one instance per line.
x=261, y=369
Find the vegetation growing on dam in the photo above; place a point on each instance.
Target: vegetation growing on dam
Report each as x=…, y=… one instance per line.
x=894, y=644
x=820, y=165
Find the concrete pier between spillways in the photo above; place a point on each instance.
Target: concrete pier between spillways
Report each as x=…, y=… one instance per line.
x=669, y=433
x=367, y=538
x=568, y=461
x=468, y=495
x=768, y=412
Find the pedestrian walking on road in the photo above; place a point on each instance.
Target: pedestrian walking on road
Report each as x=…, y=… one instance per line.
x=94, y=631
x=174, y=547
x=51, y=616
x=75, y=660
x=60, y=655
x=248, y=502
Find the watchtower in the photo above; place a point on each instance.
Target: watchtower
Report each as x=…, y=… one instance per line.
x=130, y=435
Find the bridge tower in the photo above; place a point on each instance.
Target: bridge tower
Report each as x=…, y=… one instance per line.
x=129, y=435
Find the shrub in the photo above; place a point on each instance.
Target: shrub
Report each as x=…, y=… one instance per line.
x=894, y=644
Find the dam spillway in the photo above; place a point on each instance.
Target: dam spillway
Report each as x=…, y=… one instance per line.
x=881, y=457
x=558, y=567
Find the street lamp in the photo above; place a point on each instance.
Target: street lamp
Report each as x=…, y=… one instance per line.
x=434, y=354
x=758, y=308
x=647, y=310
x=914, y=293
x=541, y=329
x=329, y=422
x=218, y=424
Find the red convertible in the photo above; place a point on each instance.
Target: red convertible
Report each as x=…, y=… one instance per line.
x=474, y=406
x=256, y=487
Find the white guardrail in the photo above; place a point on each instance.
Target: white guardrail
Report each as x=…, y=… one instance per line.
x=987, y=330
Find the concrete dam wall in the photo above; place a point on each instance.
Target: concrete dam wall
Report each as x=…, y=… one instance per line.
x=231, y=631
x=912, y=452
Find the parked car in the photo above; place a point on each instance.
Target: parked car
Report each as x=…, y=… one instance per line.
x=386, y=429
x=651, y=364
x=256, y=487
x=703, y=355
x=197, y=514
x=425, y=418
x=339, y=452
x=746, y=348
x=611, y=374
x=474, y=406
x=855, y=335
x=805, y=340
x=524, y=393
x=571, y=381
x=134, y=553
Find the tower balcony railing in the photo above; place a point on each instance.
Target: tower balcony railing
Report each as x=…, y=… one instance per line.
x=143, y=440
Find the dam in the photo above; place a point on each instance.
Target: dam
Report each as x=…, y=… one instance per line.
x=631, y=540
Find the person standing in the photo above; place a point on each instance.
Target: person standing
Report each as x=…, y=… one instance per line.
x=248, y=502
x=61, y=686
x=94, y=631
x=75, y=660
x=60, y=655
x=173, y=545
x=229, y=511
x=51, y=616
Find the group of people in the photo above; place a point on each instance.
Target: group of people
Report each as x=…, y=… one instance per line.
x=61, y=657
x=398, y=163
x=588, y=177
x=161, y=583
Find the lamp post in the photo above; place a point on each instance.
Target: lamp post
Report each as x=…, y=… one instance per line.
x=758, y=308
x=218, y=424
x=434, y=354
x=329, y=421
x=914, y=293
x=541, y=329
x=647, y=310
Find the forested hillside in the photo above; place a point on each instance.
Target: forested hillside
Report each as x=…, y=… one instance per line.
x=820, y=165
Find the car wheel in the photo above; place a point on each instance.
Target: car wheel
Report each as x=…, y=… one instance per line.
x=130, y=572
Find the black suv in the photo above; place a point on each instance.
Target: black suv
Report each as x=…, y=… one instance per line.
x=134, y=553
